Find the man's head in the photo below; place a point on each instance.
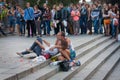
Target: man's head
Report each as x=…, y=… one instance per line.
x=61, y=5
x=27, y=4
x=61, y=35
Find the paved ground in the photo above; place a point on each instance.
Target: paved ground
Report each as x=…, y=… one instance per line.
x=12, y=44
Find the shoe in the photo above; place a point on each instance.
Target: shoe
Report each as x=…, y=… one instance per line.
x=21, y=55
x=78, y=63
x=90, y=33
x=28, y=36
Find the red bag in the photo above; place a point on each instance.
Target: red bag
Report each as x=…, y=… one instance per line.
x=116, y=23
x=47, y=56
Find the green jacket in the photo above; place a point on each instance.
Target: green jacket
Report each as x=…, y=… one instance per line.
x=3, y=14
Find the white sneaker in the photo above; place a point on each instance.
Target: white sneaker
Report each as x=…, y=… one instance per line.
x=21, y=55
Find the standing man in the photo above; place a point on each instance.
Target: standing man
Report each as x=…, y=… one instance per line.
x=64, y=17
x=29, y=18
x=95, y=18
x=100, y=18
x=83, y=18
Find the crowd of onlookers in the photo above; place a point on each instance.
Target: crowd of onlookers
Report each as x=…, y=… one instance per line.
x=74, y=19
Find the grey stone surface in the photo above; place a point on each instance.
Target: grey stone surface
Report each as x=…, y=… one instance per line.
x=115, y=75
x=106, y=68
x=84, y=61
x=87, y=71
x=12, y=44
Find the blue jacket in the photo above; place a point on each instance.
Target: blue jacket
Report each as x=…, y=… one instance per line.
x=29, y=14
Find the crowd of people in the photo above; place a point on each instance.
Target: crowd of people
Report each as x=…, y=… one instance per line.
x=74, y=19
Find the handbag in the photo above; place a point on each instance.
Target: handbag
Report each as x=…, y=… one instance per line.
x=64, y=66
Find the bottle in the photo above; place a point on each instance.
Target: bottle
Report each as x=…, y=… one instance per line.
x=54, y=63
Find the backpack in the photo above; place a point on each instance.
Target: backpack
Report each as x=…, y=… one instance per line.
x=64, y=66
x=72, y=54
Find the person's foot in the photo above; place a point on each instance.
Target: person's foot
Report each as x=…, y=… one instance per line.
x=20, y=54
x=90, y=33
x=28, y=36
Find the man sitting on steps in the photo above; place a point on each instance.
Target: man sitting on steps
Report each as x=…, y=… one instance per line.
x=38, y=46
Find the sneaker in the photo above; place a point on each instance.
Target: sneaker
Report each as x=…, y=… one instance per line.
x=21, y=55
x=78, y=63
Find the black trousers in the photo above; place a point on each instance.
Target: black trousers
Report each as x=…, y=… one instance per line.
x=57, y=29
x=2, y=31
x=31, y=26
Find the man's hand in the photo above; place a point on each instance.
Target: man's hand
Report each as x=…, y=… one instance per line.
x=51, y=49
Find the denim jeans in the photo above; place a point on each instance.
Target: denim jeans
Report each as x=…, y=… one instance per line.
x=113, y=31
x=83, y=22
x=47, y=25
x=22, y=27
x=100, y=25
x=95, y=25
x=35, y=48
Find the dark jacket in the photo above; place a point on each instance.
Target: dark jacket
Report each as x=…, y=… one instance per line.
x=57, y=15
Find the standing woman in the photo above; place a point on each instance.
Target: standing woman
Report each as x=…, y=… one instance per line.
x=52, y=16
x=11, y=18
x=37, y=14
x=107, y=21
x=89, y=21
x=22, y=22
x=75, y=14
x=18, y=19
x=57, y=19
x=47, y=20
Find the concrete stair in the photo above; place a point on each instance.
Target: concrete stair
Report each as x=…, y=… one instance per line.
x=95, y=55
x=37, y=75
x=85, y=60
x=31, y=68
x=87, y=72
x=115, y=72
x=106, y=69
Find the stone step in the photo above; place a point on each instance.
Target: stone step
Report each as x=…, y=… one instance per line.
x=107, y=67
x=91, y=68
x=100, y=41
x=91, y=46
x=115, y=75
x=29, y=68
x=84, y=61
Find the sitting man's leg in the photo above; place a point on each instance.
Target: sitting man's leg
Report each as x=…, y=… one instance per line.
x=35, y=48
x=37, y=42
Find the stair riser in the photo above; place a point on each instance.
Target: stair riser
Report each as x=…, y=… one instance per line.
x=109, y=72
x=90, y=49
x=81, y=46
x=87, y=62
x=48, y=75
x=40, y=66
x=96, y=69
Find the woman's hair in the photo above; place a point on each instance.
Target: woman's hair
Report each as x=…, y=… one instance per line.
x=64, y=44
